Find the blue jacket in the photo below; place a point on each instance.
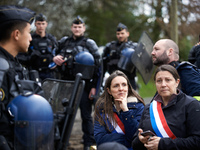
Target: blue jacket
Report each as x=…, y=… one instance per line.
x=130, y=120
x=190, y=78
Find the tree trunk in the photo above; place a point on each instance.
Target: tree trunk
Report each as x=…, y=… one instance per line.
x=174, y=21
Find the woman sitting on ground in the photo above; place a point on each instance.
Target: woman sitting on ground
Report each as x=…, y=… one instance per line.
x=117, y=111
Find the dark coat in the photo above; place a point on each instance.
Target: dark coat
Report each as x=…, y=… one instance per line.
x=130, y=120
x=182, y=115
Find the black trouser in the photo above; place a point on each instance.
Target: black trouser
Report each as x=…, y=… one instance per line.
x=87, y=121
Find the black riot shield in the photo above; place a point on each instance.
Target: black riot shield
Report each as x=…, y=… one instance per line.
x=142, y=57
x=99, y=82
x=64, y=97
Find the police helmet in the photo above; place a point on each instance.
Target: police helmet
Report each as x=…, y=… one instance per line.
x=125, y=62
x=40, y=17
x=84, y=63
x=121, y=27
x=11, y=13
x=84, y=58
x=78, y=20
x=33, y=119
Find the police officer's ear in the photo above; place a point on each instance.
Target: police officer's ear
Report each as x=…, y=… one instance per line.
x=15, y=34
x=84, y=28
x=127, y=33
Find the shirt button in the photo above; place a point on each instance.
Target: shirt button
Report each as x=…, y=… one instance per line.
x=132, y=116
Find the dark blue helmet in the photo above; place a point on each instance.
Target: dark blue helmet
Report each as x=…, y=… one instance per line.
x=12, y=13
x=127, y=52
x=125, y=62
x=84, y=64
x=33, y=118
x=121, y=27
x=40, y=17
x=84, y=58
x=78, y=20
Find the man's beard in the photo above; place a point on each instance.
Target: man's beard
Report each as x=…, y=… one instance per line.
x=162, y=59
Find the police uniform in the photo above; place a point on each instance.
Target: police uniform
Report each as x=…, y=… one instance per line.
x=41, y=60
x=41, y=52
x=189, y=78
x=111, y=56
x=69, y=47
x=12, y=77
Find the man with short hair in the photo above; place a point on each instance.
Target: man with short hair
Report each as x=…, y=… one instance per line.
x=113, y=52
x=166, y=51
x=70, y=51
x=15, y=37
x=41, y=49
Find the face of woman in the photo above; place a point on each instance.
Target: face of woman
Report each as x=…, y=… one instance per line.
x=118, y=87
x=166, y=85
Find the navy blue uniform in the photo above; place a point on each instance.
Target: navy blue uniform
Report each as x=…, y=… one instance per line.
x=111, y=56
x=189, y=77
x=68, y=47
x=13, y=81
x=40, y=55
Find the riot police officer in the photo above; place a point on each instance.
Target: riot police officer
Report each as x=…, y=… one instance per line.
x=73, y=50
x=113, y=51
x=41, y=49
x=15, y=25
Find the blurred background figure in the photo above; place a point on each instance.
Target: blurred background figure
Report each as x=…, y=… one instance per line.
x=41, y=50
x=114, y=52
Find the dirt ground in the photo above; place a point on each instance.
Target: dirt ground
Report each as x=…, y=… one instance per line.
x=76, y=134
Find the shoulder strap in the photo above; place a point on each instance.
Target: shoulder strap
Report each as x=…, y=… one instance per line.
x=83, y=43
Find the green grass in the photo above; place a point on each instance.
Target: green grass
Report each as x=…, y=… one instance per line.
x=146, y=90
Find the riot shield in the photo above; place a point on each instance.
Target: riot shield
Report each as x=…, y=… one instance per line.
x=33, y=122
x=35, y=135
x=99, y=82
x=64, y=96
x=142, y=57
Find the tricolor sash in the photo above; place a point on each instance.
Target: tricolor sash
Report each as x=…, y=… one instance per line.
x=159, y=122
x=120, y=126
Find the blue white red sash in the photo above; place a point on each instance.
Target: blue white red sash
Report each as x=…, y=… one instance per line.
x=119, y=127
x=159, y=122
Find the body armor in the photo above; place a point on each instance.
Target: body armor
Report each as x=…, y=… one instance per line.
x=41, y=53
x=69, y=48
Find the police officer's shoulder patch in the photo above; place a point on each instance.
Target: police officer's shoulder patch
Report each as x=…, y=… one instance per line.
x=2, y=94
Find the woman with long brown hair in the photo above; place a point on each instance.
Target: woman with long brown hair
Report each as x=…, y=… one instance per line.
x=117, y=111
